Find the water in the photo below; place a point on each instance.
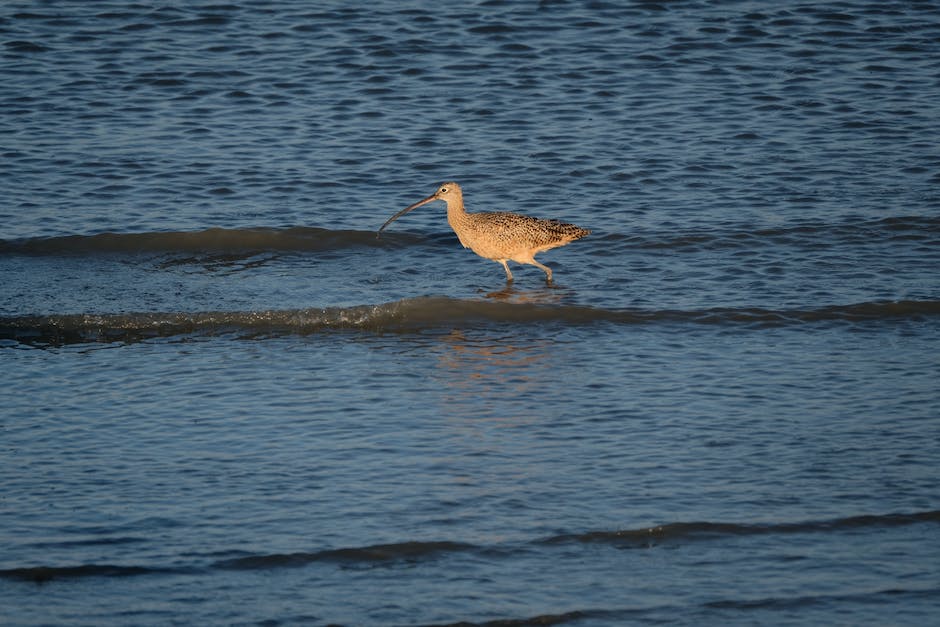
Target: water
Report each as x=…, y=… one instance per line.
x=226, y=401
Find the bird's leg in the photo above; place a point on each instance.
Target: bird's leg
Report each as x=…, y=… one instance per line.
x=506, y=267
x=545, y=269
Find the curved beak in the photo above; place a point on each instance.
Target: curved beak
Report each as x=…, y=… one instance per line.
x=430, y=198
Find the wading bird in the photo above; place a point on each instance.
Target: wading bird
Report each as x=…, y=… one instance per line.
x=500, y=235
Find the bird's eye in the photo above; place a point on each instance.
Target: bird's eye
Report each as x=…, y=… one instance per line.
x=443, y=189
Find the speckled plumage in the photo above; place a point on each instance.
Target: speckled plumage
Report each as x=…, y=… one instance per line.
x=501, y=236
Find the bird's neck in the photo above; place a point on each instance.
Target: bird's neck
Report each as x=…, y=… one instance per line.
x=456, y=214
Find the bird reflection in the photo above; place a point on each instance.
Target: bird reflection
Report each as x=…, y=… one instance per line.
x=492, y=373
x=546, y=295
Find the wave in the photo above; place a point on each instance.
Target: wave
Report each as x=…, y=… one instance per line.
x=549, y=619
x=43, y=574
x=405, y=551
x=415, y=551
x=923, y=230
x=215, y=240
x=414, y=314
x=708, y=530
x=716, y=611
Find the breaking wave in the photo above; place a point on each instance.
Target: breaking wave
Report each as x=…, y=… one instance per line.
x=413, y=314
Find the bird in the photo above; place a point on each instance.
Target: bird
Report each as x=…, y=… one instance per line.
x=500, y=236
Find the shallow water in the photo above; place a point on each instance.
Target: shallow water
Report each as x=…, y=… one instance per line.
x=228, y=401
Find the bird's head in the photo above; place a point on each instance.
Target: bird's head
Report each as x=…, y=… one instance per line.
x=448, y=192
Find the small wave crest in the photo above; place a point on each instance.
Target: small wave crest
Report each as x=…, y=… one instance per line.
x=404, y=551
x=417, y=551
x=42, y=574
x=214, y=240
x=414, y=314
x=707, y=530
x=916, y=230
x=714, y=611
x=548, y=619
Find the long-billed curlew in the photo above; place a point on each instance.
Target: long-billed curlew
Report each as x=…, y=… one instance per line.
x=500, y=235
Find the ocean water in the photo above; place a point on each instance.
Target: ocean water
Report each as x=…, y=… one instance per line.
x=227, y=401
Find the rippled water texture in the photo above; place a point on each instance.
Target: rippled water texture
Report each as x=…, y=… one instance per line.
x=128, y=117
x=225, y=400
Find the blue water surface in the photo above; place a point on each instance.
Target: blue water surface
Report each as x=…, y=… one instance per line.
x=226, y=401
